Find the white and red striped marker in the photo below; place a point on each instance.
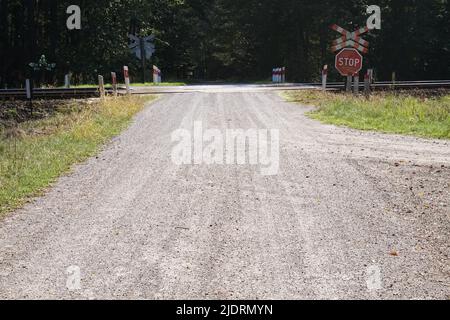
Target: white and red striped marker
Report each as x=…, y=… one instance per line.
x=114, y=82
x=126, y=76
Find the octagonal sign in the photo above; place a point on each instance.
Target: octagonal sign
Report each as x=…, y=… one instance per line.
x=349, y=62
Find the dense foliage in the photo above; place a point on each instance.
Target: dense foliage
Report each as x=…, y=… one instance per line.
x=220, y=39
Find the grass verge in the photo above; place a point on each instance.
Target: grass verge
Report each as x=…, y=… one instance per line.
x=33, y=154
x=386, y=112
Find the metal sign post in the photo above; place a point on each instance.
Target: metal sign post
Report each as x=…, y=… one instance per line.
x=348, y=86
x=143, y=48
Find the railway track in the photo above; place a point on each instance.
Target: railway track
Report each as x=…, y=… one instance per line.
x=78, y=93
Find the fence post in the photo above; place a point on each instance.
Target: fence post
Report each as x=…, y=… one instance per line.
x=324, y=77
x=101, y=87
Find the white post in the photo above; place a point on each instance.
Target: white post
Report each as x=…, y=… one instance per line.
x=67, y=81
x=101, y=87
x=283, y=74
x=126, y=75
x=356, y=83
x=324, y=77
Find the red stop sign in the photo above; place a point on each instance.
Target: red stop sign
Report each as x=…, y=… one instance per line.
x=349, y=62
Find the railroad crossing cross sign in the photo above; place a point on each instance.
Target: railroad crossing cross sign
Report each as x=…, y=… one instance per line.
x=349, y=62
x=350, y=39
x=142, y=46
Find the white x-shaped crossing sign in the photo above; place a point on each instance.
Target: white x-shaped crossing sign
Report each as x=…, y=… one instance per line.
x=350, y=39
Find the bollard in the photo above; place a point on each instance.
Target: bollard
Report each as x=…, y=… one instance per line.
x=126, y=76
x=114, y=83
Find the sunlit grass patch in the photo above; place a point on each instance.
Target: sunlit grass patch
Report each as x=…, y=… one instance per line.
x=34, y=153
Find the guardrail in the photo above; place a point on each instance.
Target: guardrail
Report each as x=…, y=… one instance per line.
x=73, y=93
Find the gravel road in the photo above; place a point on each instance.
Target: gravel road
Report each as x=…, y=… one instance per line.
x=350, y=214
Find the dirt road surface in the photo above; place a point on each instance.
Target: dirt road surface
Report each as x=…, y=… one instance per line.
x=349, y=215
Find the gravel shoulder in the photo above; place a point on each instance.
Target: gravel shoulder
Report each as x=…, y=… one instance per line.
x=137, y=226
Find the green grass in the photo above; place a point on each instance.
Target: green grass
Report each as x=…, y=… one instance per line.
x=385, y=112
x=34, y=154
